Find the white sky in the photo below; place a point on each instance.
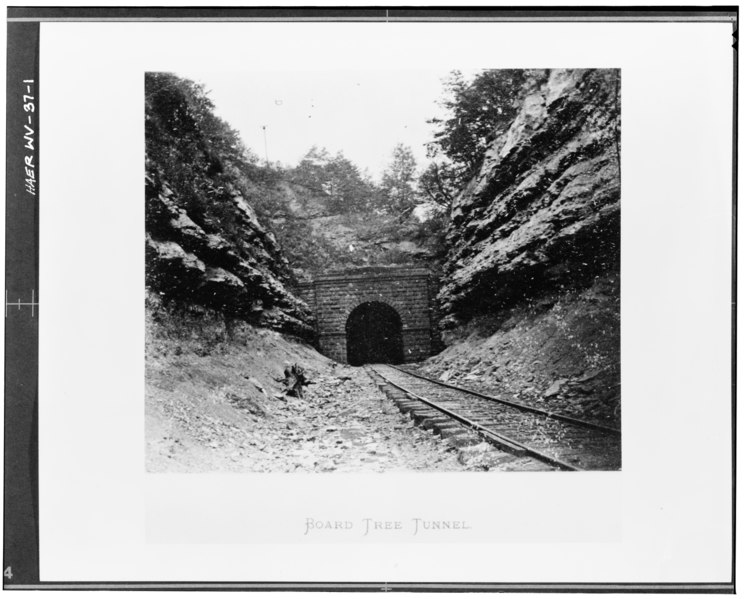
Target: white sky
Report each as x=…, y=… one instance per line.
x=364, y=114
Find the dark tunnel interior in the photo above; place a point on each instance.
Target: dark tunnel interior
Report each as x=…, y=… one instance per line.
x=374, y=335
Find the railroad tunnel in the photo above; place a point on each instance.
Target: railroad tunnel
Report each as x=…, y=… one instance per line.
x=374, y=334
x=398, y=330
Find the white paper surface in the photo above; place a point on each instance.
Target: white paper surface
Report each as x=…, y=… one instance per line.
x=665, y=517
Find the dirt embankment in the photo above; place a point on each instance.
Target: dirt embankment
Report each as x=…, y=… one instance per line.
x=559, y=352
x=213, y=403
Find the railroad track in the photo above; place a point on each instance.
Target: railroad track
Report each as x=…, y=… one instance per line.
x=561, y=441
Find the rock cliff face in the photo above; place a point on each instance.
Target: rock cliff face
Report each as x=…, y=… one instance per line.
x=543, y=213
x=242, y=275
x=205, y=246
x=531, y=291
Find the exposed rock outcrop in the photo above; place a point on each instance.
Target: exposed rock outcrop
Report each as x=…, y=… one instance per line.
x=205, y=246
x=241, y=273
x=543, y=212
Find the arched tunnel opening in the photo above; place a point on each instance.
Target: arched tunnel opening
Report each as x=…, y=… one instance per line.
x=374, y=335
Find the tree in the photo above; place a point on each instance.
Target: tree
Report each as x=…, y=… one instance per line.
x=200, y=156
x=335, y=177
x=310, y=172
x=438, y=184
x=345, y=186
x=398, y=190
x=478, y=113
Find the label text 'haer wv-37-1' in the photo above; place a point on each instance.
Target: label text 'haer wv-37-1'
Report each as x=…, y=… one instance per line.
x=29, y=137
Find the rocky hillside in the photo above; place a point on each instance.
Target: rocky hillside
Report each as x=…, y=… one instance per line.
x=531, y=292
x=204, y=243
x=559, y=352
x=543, y=212
x=215, y=402
x=318, y=237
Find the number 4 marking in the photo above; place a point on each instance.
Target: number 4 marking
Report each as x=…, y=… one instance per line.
x=8, y=573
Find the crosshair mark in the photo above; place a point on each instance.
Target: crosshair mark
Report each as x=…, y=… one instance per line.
x=33, y=303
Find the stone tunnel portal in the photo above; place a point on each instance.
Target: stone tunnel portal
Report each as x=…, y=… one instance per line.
x=374, y=334
x=373, y=313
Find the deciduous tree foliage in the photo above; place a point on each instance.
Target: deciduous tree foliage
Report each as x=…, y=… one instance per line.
x=399, y=194
x=205, y=163
x=438, y=185
x=337, y=178
x=478, y=112
x=201, y=157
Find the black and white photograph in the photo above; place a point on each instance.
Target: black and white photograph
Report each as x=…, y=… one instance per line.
x=371, y=271
x=343, y=299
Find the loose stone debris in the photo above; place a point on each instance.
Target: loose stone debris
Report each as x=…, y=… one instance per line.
x=207, y=413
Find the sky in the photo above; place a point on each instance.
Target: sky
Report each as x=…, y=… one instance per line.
x=364, y=114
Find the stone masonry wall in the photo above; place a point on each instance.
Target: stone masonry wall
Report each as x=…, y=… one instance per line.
x=407, y=290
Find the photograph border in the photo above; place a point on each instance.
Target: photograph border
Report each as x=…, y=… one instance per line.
x=21, y=479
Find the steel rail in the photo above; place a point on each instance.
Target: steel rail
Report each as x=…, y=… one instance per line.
x=514, y=404
x=480, y=428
